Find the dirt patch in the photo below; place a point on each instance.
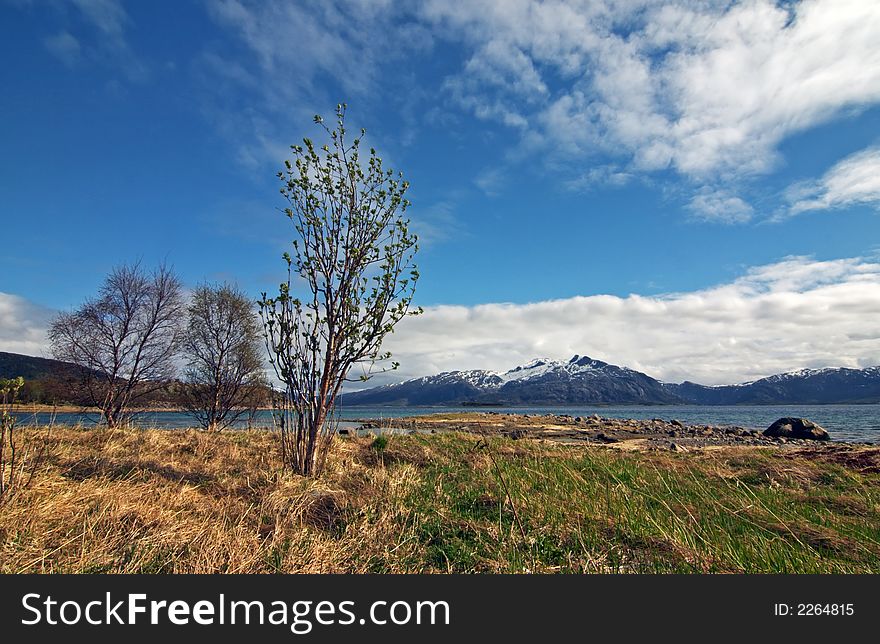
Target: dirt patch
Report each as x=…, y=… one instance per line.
x=323, y=511
x=864, y=460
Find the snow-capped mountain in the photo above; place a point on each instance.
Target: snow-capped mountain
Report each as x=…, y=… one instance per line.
x=582, y=380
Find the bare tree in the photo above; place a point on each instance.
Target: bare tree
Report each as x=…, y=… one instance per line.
x=222, y=347
x=352, y=260
x=125, y=340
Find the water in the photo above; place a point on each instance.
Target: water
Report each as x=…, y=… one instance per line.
x=860, y=423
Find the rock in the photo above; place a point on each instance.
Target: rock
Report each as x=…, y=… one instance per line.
x=675, y=447
x=605, y=438
x=343, y=432
x=796, y=428
x=677, y=423
x=578, y=419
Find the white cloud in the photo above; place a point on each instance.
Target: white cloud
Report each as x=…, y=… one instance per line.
x=853, y=181
x=301, y=59
x=342, y=41
x=107, y=15
x=64, y=47
x=708, y=88
x=295, y=41
x=603, y=175
x=435, y=222
x=491, y=181
x=23, y=325
x=721, y=206
x=793, y=314
x=107, y=44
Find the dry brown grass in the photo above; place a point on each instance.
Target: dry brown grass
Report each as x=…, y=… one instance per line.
x=184, y=501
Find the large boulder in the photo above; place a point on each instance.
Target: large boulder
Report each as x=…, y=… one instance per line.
x=796, y=428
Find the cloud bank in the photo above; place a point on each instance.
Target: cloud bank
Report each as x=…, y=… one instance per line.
x=23, y=325
x=789, y=315
x=797, y=313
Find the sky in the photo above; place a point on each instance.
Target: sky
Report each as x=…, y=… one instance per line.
x=687, y=188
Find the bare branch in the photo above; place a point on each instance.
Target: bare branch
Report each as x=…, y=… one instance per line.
x=124, y=340
x=221, y=345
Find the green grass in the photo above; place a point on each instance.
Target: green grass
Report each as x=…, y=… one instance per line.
x=598, y=510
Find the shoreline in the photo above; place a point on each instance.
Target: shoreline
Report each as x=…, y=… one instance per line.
x=622, y=433
x=627, y=434
x=40, y=408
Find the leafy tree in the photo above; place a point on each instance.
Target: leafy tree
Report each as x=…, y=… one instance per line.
x=125, y=340
x=352, y=264
x=221, y=345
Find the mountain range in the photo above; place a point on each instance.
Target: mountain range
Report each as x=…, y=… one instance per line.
x=579, y=381
x=583, y=380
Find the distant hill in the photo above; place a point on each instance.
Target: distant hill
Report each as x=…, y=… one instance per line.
x=583, y=380
x=806, y=386
x=53, y=381
x=46, y=381
x=33, y=368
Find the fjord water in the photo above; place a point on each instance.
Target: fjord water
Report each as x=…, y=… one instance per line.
x=857, y=423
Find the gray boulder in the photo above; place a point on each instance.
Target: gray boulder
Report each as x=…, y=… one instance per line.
x=796, y=428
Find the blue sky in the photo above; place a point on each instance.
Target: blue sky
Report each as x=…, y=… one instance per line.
x=560, y=151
